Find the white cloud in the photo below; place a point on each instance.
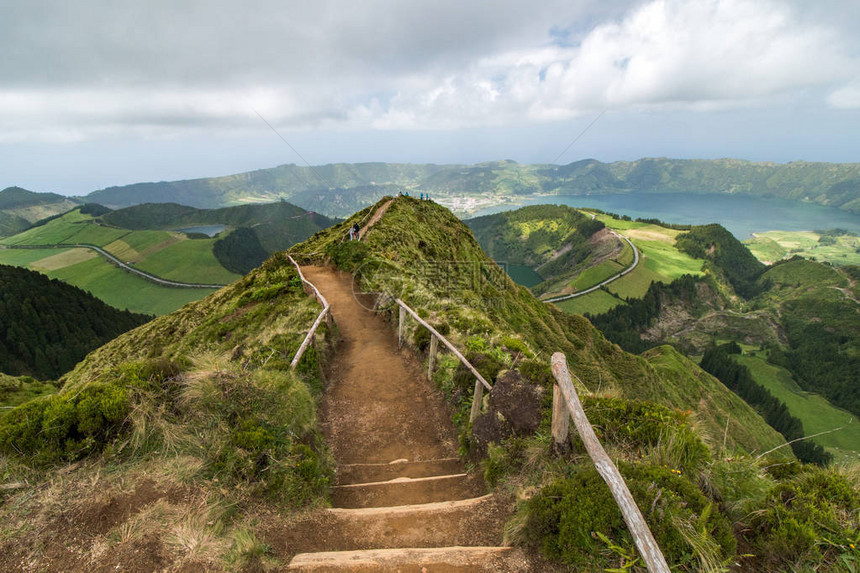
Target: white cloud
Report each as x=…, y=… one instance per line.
x=75, y=71
x=702, y=54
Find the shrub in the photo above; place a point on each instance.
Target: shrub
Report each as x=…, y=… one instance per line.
x=567, y=518
x=65, y=427
x=810, y=520
x=637, y=425
x=347, y=255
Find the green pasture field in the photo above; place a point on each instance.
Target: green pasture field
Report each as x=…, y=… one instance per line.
x=625, y=259
x=596, y=274
x=189, y=260
x=167, y=255
x=138, y=244
x=24, y=257
x=596, y=302
x=776, y=245
x=816, y=413
x=125, y=290
x=659, y=259
x=103, y=280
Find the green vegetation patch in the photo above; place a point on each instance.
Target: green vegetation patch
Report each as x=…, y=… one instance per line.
x=15, y=390
x=125, y=290
x=190, y=261
x=594, y=303
x=576, y=520
x=816, y=413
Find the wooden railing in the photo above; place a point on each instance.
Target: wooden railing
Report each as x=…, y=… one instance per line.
x=435, y=337
x=310, y=338
x=565, y=404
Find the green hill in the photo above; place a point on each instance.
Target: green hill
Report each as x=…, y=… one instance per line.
x=47, y=326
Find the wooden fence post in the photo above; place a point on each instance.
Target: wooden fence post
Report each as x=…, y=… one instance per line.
x=645, y=543
x=434, y=346
x=560, y=420
x=476, y=401
x=400, y=326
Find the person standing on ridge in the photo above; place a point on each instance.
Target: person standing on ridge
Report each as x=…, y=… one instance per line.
x=355, y=232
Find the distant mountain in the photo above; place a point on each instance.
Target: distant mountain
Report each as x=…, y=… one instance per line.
x=47, y=326
x=339, y=189
x=30, y=206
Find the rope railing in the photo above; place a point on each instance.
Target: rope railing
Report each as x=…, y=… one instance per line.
x=566, y=405
x=325, y=314
x=435, y=337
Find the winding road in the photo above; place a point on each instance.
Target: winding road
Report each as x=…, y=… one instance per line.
x=119, y=263
x=607, y=281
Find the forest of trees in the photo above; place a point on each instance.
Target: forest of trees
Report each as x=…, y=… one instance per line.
x=46, y=326
x=717, y=361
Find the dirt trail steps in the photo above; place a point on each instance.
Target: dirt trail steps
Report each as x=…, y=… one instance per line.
x=403, y=500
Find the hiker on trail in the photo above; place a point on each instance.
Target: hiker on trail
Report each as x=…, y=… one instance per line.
x=355, y=232
x=422, y=196
x=351, y=234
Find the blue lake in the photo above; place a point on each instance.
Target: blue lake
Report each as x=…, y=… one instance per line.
x=209, y=230
x=742, y=215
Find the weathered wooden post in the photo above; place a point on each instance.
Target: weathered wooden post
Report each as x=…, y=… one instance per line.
x=645, y=543
x=476, y=400
x=434, y=346
x=401, y=322
x=560, y=420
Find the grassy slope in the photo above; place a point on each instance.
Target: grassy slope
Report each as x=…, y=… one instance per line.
x=816, y=413
x=211, y=324
x=209, y=408
x=747, y=430
x=490, y=305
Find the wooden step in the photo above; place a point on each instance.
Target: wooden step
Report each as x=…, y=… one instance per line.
x=369, y=473
x=474, y=521
x=406, y=491
x=468, y=522
x=441, y=559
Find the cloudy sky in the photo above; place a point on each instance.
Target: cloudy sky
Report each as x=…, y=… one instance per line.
x=96, y=93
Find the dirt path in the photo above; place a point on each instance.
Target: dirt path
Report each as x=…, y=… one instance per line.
x=402, y=499
x=376, y=217
x=379, y=406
